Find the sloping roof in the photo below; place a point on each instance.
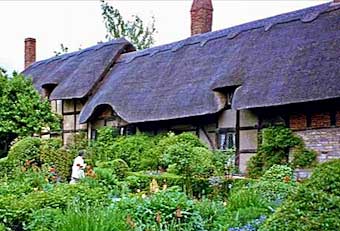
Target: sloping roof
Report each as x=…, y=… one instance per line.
x=283, y=59
x=75, y=74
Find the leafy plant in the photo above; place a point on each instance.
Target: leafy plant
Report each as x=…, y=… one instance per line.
x=161, y=211
x=314, y=206
x=276, y=143
x=26, y=149
x=93, y=219
x=135, y=30
x=276, y=184
x=22, y=110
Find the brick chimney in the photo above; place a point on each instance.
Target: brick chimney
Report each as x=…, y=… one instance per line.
x=29, y=51
x=201, y=16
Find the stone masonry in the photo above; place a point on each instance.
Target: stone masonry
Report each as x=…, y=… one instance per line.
x=326, y=142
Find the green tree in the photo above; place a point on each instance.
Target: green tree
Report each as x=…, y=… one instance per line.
x=22, y=111
x=63, y=50
x=134, y=30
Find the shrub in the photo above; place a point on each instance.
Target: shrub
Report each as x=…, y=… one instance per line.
x=16, y=210
x=274, y=149
x=308, y=209
x=8, y=168
x=326, y=177
x=315, y=205
x=102, y=148
x=276, y=184
x=303, y=158
x=25, y=149
x=278, y=173
x=131, y=149
x=161, y=211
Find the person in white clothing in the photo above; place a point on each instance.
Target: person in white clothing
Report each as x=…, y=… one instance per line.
x=78, y=168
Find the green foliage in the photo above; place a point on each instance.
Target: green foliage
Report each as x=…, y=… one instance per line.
x=308, y=209
x=276, y=184
x=120, y=168
x=210, y=211
x=53, y=155
x=7, y=168
x=326, y=177
x=243, y=206
x=103, y=146
x=132, y=149
x=303, y=158
x=278, y=173
x=135, y=30
x=161, y=211
x=314, y=206
x=25, y=149
x=274, y=149
x=186, y=155
x=16, y=210
x=93, y=219
x=22, y=110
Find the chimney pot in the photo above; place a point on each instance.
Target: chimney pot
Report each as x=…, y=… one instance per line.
x=30, y=51
x=201, y=16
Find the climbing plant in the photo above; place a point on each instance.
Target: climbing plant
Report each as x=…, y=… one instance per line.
x=277, y=142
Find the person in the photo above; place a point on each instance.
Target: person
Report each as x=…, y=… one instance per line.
x=78, y=168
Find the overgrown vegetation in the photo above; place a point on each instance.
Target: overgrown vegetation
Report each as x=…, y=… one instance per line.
x=22, y=110
x=314, y=206
x=166, y=182
x=277, y=142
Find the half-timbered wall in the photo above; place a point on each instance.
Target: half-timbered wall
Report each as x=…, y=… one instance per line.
x=70, y=110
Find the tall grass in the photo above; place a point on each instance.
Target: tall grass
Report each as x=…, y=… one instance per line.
x=93, y=219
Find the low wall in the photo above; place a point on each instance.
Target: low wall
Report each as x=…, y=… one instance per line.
x=326, y=142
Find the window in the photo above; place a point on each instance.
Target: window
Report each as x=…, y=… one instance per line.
x=226, y=140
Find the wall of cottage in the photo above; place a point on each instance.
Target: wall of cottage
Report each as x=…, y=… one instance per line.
x=244, y=124
x=69, y=111
x=320, y=131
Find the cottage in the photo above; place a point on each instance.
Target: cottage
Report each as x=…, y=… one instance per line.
x=223, y=86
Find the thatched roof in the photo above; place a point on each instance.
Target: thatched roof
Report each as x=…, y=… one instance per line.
x=75, y=74
x=284, y=59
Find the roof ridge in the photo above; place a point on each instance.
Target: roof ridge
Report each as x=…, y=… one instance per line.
x=74, y=53
x=306, y=15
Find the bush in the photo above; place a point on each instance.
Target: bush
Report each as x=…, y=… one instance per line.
x=102, y=149
x=326, y=177
x=308, y=209
x=161, y=211
x=274, y=149
x=25, y=149
x=315, y=205
x=8, y=168
x=16, y=209
x=276, y=184
x=132, y=149
x=303, y=158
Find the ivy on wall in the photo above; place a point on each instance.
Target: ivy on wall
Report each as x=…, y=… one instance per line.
x=277, y=143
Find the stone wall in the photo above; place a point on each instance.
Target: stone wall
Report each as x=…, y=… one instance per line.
x=326, y=142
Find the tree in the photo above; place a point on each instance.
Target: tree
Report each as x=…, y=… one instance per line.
x=22, y=111
x=63, y=50
x=135, y=30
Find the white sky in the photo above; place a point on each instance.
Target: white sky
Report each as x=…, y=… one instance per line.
x=79, y=23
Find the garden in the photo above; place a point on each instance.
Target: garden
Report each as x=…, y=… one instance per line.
x=164, y=182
